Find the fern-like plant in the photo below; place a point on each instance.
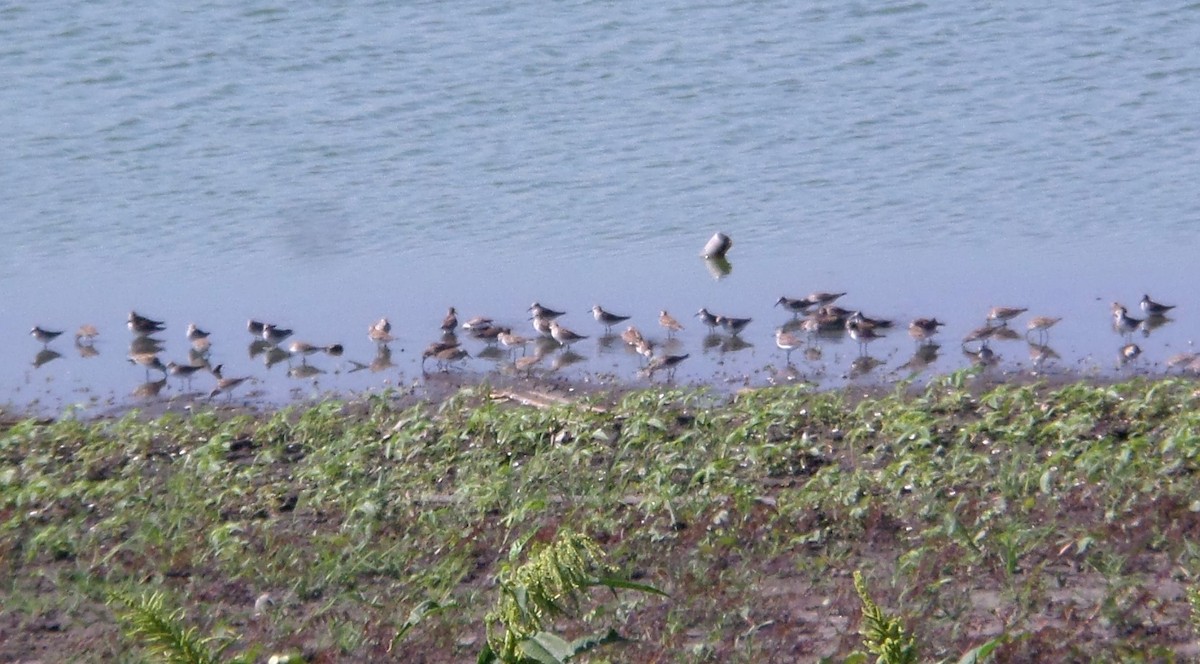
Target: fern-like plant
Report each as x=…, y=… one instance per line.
x=548, y=585
x=883, y=635
x=162, y=632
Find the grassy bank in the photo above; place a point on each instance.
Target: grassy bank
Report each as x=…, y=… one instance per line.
x=1065, y=520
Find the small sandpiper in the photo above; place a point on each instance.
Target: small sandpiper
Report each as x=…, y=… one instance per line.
x=631, y=335
x=564, y=336
x=668, y=362
x=148, y=361
x=1152, y=308
x=434, y=348
x=273, y=334
x=863, y=335
x=708, y=318
x=450, y=321
x=669, y=323
x=195, y=334
x=733, y=325
x=184, y=371
x=488, y=334
x=786, y=341
x=303, y=348
x=980, y=334
x=477, y=323
x=645, y=348
x=1041, y=325
x=871, y=323
x=923, y=329
x=835, y=311
x=1130, y=352
x=226, y=385
x=1122, y=321
x=446, y=357
x=541, y=325
x=512, y=341
x=821, y=298
x=539, y=311
x=381, y=332
x=43, y=335
x=795, y=305
x=606, y=318
x=1002, y=315
x=142, y=325
x=86, y=334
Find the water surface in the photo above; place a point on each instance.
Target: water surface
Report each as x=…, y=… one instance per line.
x=324, y=165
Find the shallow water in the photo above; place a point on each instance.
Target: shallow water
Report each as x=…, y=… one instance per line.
x=322, y=166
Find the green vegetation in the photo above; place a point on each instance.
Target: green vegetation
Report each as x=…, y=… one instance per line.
x=1058, y=522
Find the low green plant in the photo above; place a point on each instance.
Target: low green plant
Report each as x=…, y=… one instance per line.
x=163, y=634
x=550, y=584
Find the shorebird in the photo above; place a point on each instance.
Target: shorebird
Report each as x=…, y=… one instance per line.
x=184, y=371
x=148, y=361
x=528, y=362
x=539, y=311
x=488, y=334
x=984, y=357
x=1130, y=352
x=1122, y=321
x=512, y=341
x=381, y=332
x=733, y=325
x=606, y=318
x=436, y=347
x=195, y=334
x=150, y=388
x=786, y=341
x=821, y=298
x=305, y=349
x=273, y=334
x=446, y=357
x=86, y=334
x=1002, y=315
x=863, y=335
x=450, y=321
x=795, y=305
x=631, y=335
x=43, y=335
x=668, y=362
x=541, y=325
x=669, y=323
x=980, y=334
x=477, y=323
x=564, y=336
x=872, y=323
x=142, y=325
x=708, y=318
x=645, y=348
x=1152, y=308
x=923, y=329
x=1041, y=325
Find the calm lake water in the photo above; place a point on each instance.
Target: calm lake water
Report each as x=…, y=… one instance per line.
x=325, y=164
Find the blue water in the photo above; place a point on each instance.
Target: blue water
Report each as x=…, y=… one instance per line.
x=326, y=164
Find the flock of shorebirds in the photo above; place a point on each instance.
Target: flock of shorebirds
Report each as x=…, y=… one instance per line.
x=813, y=317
